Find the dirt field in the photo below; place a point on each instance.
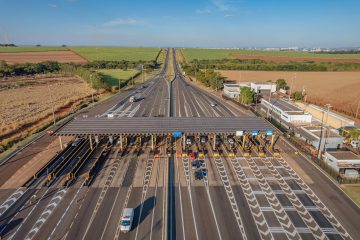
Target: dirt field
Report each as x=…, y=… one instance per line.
x=35, y=57
x=295, y=59
x=26, y=103
x=340, y=89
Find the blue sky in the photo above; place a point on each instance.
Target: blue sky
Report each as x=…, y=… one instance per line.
x=186, y=23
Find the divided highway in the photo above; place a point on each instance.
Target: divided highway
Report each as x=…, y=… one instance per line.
x=234, y=197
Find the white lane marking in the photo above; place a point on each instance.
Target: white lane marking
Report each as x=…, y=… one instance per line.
x=133, y=112
x=54, y=202
x=186, y=166
x=114, y=202
x=12, y=199
x=28, y=215
x=153, y=211
x=181, y=205
x=64, y=213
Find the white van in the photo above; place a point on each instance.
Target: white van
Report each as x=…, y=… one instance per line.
x=126, y=220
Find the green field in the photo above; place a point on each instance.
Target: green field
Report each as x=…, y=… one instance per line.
x=203, y=54
x=112, y=76
x=30, y=49
x=117, y=53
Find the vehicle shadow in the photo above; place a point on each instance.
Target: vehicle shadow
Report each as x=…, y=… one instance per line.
x=6, y=228
x=145, y=209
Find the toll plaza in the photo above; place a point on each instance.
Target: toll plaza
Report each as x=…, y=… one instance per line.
x=250, y=131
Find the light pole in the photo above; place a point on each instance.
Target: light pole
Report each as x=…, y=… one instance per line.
x=52, y=105
x=328, y=106
x=92, y=89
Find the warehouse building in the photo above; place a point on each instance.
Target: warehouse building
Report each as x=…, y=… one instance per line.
x=284, y=112
x=331, y=140
x=346, y=163
x=233, y=89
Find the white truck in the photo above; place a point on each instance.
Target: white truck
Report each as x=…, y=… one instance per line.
x=135, y=98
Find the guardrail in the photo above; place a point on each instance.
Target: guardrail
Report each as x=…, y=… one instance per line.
x=54, y=174
x=90, y=175
x=71, y=176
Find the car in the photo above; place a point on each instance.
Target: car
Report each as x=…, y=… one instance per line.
x=203, y=139
x=198, y=175
x=192, y=156
x=195, y=164
x=126, y=220
x=202, y=163
x=230, y=140
x=213, y=104
x=188, y=141
x=204, y=172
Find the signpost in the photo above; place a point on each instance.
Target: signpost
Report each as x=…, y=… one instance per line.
x=254, y=132
x=177, y=134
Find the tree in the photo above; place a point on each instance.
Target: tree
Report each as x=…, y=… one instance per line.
x=297, y=95
x=247, y=95
x=281, y=83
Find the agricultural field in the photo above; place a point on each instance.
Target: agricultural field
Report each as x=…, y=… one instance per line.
x=112, y=76
x=31, y=49
x=276, y=56
x=26, y=102
x=117, y=53
x=340, y=89
x=41, y=56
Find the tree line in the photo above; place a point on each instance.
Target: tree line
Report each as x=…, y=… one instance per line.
x=262, y=65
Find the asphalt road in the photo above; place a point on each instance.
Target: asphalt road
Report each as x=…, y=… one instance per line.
x=241, y=198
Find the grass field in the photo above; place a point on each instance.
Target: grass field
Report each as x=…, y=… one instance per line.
x=30, y=49
x=112, y=76
x=117, y=53
x=353, y=190
x=202, y=54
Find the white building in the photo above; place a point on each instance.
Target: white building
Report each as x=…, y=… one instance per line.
x=346, y=163
x=233, y=89
x=331, y=140
x=285, y=111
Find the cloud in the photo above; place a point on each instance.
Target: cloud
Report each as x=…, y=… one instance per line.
x=228, y=15
x=52, y=6
x=221, y=5
x=203, y=11
x=121, y=21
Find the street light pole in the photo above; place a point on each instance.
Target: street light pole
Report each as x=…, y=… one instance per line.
x=92, y=89
x=52, y=105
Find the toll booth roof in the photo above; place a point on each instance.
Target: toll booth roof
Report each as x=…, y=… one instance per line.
x=163, y=126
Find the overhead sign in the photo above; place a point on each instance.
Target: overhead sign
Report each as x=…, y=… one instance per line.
x=269, y=132
x=177, y=134
x=254, y=132
x=239, y=133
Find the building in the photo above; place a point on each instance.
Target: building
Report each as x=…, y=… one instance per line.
x=331, y=140
x=346, y=163
x=233, y=89
x=263, y=88
x=283, y=111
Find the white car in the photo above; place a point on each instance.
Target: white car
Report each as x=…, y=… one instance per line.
x=213, y=104
x=126, y=220
x=188, y=141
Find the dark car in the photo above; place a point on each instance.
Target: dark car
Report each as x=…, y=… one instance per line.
x=198, y=175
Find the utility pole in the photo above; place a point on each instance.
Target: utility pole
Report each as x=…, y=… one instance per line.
x=322, y=131
x=357, y=109
x=52, y=105
x=292, y=85
x=92, y=89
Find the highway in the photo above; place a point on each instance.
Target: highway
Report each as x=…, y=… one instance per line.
x=240, y=197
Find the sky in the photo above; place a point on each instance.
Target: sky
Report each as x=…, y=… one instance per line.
x=185, y=23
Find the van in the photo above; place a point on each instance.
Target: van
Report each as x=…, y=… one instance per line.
x=355, y=143
x=127, y=220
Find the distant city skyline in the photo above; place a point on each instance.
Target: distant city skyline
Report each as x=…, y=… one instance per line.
x=203, y=23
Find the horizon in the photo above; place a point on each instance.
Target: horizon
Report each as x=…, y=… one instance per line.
x=200, y=24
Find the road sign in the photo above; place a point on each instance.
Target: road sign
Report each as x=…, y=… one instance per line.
x=269, y=132
x=254, y=132
x=177, y=134
x=239, y=133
